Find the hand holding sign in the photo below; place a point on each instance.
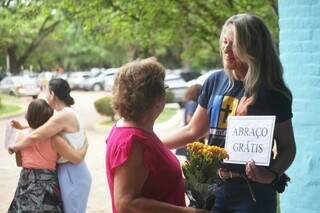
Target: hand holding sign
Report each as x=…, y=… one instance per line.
x=258, y=173
x=249, y=138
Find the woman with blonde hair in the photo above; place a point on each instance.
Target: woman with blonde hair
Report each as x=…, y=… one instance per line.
x=250, y=84
x=143, y=175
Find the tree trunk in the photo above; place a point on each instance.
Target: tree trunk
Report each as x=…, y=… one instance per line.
x=131, y=52
x=15, y=66
x=41, y=67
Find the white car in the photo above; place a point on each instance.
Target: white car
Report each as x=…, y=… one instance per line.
x=97, y=82
x=76, y=78
x=202, y=78
x=20, y=86
x=177, y=85
x=109, y=79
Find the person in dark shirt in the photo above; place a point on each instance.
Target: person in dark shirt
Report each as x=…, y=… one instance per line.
x=250, y=84
x=191, y=97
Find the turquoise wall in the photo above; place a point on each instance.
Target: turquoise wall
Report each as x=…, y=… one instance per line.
x=299, y=22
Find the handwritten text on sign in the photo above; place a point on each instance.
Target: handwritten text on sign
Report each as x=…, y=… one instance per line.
x=249, y=138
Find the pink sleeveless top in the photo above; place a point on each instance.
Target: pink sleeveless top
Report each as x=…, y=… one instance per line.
x=164, y=182
x=39, y=155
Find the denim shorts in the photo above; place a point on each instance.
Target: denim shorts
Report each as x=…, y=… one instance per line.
x=234, y=197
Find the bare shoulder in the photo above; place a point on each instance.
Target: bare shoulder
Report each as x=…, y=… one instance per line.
x=64, y=115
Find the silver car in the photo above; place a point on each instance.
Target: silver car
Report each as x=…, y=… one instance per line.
x=177, y=85
x=109, y=79
x=97, y=82
x=20, y=86
x=76, y=78
x=202, y=78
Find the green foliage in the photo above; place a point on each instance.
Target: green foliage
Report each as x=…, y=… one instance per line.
x=6, y=109
x=103, y=106
x=107, y=33
x=24, y=25
x=0, y=102
x=166, y=114
x=169, y=96
x=190, y=28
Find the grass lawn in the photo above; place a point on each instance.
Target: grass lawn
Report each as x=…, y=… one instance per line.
x=9, y=98
x=7, y=109
x=166, y=115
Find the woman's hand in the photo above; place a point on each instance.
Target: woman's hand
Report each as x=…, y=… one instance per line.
x=259, y=174
x=12, y=149
x=243, y=105
x=16, y=124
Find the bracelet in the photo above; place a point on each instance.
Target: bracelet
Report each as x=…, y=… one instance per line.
x=219, y=173
x=276, y=176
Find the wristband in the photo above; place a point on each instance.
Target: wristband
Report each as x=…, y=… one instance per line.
x=276, y=176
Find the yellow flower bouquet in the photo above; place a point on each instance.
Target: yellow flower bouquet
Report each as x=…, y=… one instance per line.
x=200, y=171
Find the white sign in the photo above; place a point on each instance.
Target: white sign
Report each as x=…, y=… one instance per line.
x=10, y=136
x=249, y=138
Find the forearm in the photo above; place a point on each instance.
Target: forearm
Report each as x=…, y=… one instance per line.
x=18, y=159
x=24, y=126
x=286, y=147
x=180, y=138
x=283, y=160
x=26, y=141
x=74, y=156
x=196, y=129
x=42, y=133
x=67, y=151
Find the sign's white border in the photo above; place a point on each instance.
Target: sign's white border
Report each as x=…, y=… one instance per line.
x=252, y=119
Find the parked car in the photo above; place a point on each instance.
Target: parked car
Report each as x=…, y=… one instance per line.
x=64, y=76
x=178, y=86
x=202, y=78
x=20, y=86
x=97, y=83
x=44, y=78
x=2, y=75
x=109, y=79
x=76, y=78
x=186, y=75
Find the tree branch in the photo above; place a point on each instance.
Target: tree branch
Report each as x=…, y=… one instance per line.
x=42, y=33
x=204, y=32
x=6, y=3
x=44, y=24
x=217, y=19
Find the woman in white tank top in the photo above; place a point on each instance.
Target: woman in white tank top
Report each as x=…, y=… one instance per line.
x=74, y=179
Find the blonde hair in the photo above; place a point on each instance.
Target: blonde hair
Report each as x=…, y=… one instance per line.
x=255, y=47
x=137, y=87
